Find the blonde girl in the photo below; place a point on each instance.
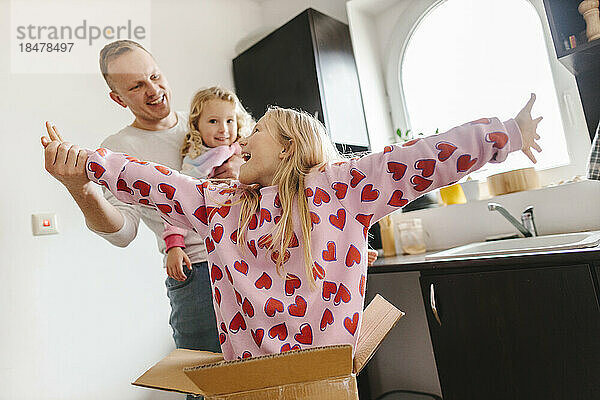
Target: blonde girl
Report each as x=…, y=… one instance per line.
x=286, y=244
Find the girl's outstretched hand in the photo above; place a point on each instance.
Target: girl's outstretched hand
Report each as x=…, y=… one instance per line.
x=528, y=129
x=65, y=161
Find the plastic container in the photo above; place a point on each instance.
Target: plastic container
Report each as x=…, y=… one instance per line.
x=453, y=194
x=411, y=235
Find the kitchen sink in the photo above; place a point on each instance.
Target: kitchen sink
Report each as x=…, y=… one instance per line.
x=536, y=244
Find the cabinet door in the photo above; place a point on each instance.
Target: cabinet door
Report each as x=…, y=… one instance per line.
x=516, y=334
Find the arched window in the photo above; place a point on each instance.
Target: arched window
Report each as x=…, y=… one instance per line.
x=468, y=59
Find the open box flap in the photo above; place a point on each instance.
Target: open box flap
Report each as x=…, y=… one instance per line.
x=315, y=364
x=379, y=318
x=168, y=373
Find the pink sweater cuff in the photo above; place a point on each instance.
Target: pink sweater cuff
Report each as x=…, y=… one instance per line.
x=174, y=241
x=515, y=141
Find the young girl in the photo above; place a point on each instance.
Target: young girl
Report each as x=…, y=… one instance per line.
x=217, y=121
x=286, y=244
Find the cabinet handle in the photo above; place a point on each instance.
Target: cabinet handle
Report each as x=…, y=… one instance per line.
x=433, y=306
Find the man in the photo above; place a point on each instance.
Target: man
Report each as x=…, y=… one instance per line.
x=156, y=134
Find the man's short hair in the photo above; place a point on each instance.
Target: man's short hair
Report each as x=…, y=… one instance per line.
x=114, y=50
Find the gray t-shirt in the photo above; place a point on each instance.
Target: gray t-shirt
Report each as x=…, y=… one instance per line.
x=158, y=146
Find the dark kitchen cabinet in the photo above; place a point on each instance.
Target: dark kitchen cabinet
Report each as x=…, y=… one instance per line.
x=583, y=60
x=306, y=64
x=527, y=333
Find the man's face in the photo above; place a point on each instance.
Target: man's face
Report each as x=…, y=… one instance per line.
x=138, y=84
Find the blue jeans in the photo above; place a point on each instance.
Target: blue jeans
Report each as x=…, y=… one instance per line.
x=192, y=314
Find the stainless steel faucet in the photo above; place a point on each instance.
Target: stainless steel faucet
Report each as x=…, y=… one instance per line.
x=526, y=226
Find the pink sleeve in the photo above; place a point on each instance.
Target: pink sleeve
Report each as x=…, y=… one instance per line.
x=380, y=183
x=178, y=198
x=173, y=236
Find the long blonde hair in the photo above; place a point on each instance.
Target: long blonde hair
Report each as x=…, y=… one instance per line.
x=308, y=147
x=192, y=144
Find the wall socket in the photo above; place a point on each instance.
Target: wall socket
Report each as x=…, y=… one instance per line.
x=44, y=224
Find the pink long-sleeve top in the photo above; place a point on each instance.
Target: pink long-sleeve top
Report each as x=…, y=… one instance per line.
x=258, y=312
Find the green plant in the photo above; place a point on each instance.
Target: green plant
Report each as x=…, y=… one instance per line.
x=406, y=135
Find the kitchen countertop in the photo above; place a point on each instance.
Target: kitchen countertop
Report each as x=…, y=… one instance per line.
x=418, y=262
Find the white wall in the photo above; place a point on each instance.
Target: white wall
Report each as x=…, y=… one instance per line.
x=80, y=318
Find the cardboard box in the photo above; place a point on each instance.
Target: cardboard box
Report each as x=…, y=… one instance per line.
x=317, y=373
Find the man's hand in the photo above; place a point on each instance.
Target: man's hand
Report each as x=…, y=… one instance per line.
x=64, y=161
x=175, y=258
x=528, y=128
x=230, y=169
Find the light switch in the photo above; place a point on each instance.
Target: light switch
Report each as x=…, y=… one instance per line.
x=44, y=224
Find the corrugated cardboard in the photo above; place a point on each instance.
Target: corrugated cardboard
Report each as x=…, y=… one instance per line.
x=317, y=373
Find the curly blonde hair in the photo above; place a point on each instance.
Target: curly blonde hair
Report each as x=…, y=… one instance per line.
x=192, y=144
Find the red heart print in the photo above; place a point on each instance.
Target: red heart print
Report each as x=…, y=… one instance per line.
x=278, y=331
x=229, y=277
x=163, y=170
x=211, y=211
x=246, y=354
x=318, y=271
x=223, y=327
x=218, y=296
x=177, y=207
x=101, y=151
x=484, y=121
x=397, y=200
x=164, y=208
x=201, y=215
x=292, y=282
x=202, y=187
x=275, y=256
x=419, y=183
x=217, y=233
x=210, y=245
x=294, y=241
x=241, y=267
x=234, y=236
x=314, y=219
x=364, y=219
x=368, y=193
x=122, y=187
x=427, y=167
x=222, y=338
x=362, y=284
x=329, y=254
x=168, y=190
x=329, y=288
x=264, y=282
x=135, y=160
x=253, y=224
x=446, y=149
x=252, y=246
x=410, y=142
x=357, y=176
x=326, y=319
x=387, y=149
x=224, y=210
x=272, y=306
x=247, y=308
x=343, y=294
x=498, y=138
x=265, y=215
x=321, y=196
x=298, y=309
x=340, y=189
x=277, y=218
x=141, y=201
x=351, y=323
x=215, y=273
x=265, y=241
x=465, y=163
x=142, y=186
x=238, y=297
x=97, y=169
x=308, y=192
x=353, y=256
x=397, y=170
x=305, y=336
x=105, y=184
x=258, y=336
x=339, y=219
x=286, y=347
x=276, y=201
x=237, y=323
